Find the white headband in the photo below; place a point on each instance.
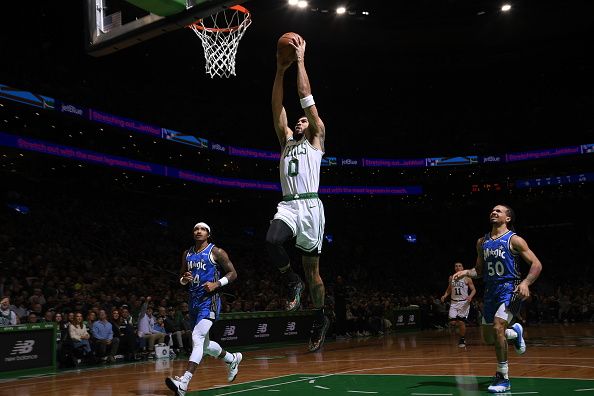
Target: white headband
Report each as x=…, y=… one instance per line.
x=203, y=225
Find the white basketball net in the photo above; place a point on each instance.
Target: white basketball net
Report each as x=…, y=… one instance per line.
x=220, y=34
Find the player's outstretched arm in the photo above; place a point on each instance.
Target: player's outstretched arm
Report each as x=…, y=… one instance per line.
x=316, y=127
x=279, y=115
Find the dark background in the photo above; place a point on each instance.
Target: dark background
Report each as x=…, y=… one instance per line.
x=409, y=80
x=428, y=78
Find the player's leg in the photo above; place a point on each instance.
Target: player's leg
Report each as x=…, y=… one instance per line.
x=311, y=265
x=461, y=324
x=199, y=335
x=214, y=349
x=516, y=332
x=282, y=228
x=462, y=315
x=452, y=321
x=309, y=241
x=501, y=381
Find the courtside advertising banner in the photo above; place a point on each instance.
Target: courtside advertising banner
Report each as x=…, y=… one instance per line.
x=27, y=346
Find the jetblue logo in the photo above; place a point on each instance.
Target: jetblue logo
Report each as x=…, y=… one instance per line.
x=22, y=347
x=71, y=109
x=349, y=161
x=218, y=147
x=491, y=158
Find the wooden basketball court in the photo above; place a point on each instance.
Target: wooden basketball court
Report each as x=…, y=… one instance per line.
x=559, y=361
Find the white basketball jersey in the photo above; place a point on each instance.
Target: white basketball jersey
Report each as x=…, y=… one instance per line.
x=459, y=290
x=300, y=167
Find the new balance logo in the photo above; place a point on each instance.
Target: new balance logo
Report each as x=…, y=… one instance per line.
x=229, y=331
x=229, y=334
x=22, y=347
x=290, y=330
x=262, y=331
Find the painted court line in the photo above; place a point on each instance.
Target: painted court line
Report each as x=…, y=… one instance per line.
x=312, y=379
x=321, y=387
x=583, y=390
x=432, y=394
x=355, y=391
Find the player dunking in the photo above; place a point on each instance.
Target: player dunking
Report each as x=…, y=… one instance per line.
x=301, y=213
x=200, y=268
x=459, y=302
x=497, y=262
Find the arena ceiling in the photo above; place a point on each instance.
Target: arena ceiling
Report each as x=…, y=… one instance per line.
x=410, y=79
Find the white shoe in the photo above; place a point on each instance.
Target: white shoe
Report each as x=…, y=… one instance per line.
x=177, y=385
x=499, y=384
x=519, y=343
x=233, y=367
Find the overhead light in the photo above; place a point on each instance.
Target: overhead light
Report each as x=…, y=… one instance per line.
x=293, y=2
x=340, y=10
x=506, y=7
x=302, y=4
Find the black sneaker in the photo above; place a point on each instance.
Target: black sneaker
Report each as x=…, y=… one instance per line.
x=462, y=343
x=318, y=334
x=294, y=298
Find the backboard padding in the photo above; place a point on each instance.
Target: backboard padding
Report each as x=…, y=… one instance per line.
x=115, y=25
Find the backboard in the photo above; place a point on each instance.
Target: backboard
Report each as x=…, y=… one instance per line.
x=113, y=25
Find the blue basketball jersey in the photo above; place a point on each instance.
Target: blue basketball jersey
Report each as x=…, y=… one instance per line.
x=501, y=276
x=204, y=268
x=501, y=264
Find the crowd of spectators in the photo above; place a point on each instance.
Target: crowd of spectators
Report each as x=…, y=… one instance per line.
x=105, y=269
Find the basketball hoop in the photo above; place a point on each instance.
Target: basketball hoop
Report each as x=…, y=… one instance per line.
x=220, y=34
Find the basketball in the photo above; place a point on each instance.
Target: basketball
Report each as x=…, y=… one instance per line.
x=284, y=49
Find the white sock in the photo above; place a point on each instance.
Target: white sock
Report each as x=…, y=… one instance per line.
x=502, y=368
x=511, y=334
x=229, y=357
x=187, y=377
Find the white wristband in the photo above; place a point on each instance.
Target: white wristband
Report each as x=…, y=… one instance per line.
x=306, y=102
x=223, y=281
x=183, y=281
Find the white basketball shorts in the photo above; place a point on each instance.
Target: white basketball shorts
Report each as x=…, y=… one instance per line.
x=305, y=217
x=459, y=309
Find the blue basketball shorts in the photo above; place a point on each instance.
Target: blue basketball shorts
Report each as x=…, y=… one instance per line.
x=205, y=307
x=497, y=294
